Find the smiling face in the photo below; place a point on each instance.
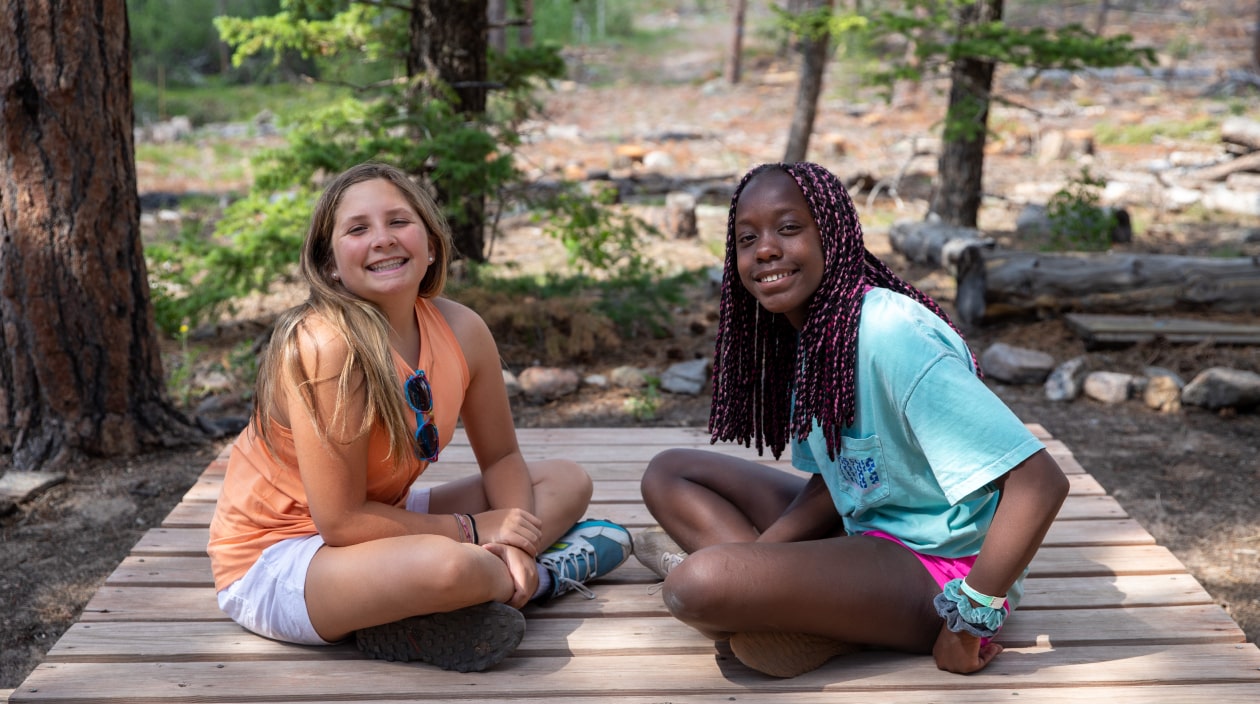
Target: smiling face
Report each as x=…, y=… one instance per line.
x=380, y=245
x=778, y=249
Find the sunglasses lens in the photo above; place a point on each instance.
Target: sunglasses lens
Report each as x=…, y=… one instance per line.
x=427, y=441
x=418, y=394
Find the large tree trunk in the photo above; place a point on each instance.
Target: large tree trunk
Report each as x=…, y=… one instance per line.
x=813, y=61
x=449, y=40
x=80, y=369
x=960, y=175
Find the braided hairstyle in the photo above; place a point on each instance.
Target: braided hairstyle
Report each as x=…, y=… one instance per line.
x=760, y=358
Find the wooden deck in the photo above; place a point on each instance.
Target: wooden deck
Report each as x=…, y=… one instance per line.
x=1108, y=616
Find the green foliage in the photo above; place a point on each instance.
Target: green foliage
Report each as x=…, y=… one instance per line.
x=174, y=42
x=940, y=36
x=1077, y=222
x=645, y=403
x=412, y=124
x=1203, y=129
x=596, y=237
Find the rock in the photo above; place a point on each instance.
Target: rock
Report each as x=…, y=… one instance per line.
x=628, y=377
x=1065, y=382
x=1163, y=393
x=1222, y=387
x=598, y=381
x=1108, y=387
x=686, y=377
x=1016, y=365
x=513, y=385
x=542, y=384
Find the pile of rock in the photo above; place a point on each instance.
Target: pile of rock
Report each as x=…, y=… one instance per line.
x=1215, y=388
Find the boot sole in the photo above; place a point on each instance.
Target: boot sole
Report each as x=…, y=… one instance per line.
x=466, y=640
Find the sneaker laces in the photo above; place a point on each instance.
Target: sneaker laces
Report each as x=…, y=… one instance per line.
x=669, y=560
x=556, y=563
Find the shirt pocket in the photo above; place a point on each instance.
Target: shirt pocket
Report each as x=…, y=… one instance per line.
x=856, y=478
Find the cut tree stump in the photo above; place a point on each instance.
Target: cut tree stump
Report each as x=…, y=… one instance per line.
x=1001, y=283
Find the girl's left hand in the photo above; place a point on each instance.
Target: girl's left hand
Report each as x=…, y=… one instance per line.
x=961, y=653
x=510, y=526
x=524, y=571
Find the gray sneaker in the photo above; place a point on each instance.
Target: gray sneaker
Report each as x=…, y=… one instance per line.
x=471, y=639
x=657, y=551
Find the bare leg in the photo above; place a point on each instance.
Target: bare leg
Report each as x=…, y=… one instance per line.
x=854, y=589
x=562, y=493
x=705, y=498
x=422, y=574
x=850, y=589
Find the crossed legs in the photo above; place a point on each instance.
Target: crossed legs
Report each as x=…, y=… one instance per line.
x=852, y=589
x=354, y=587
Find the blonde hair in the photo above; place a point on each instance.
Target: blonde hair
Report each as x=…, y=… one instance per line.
x=360, y=323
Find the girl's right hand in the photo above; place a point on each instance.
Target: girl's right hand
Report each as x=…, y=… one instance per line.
x=523, y=571
x=510, y=526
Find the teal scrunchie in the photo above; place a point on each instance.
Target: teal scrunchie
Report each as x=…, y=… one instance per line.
x=954, y=606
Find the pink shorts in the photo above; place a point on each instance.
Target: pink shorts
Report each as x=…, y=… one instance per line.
x=942, y=569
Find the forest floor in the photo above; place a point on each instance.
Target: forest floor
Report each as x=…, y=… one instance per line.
x=1189, y=477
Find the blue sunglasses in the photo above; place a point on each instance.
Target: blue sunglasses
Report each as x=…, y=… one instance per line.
x=420, y=398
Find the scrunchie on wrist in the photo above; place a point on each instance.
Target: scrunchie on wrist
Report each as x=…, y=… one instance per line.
x=961, y=616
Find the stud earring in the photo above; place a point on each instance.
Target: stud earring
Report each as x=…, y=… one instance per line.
x=430, y=260
x=336, y=276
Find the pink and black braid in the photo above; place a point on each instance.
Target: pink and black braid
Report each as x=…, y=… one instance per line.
x=760, y=358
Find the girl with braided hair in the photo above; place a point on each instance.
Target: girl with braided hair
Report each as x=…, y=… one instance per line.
x=926, y=497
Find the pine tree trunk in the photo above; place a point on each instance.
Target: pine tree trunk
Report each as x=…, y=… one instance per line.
x=960, y=180
x=735, y=60
x=813, y=61
x=80, y=367
x=448, y=40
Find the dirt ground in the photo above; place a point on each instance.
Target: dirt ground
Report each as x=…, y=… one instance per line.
x=1189, y=477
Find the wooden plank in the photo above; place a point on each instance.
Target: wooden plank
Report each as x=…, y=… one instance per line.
x=636, y=675
x=1132, y=329
x=662, y=634
x=1086, y=561
x=195, y=514
x=624, y=599
x=191, y=542
x=607, y=490
x=1139, y=694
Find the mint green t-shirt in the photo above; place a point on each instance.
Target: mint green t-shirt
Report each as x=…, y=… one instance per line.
x=928, y=440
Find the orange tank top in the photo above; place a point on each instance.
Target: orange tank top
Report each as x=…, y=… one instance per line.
x=262, y=501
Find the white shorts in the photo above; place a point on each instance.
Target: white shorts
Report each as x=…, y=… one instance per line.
x=270, y=599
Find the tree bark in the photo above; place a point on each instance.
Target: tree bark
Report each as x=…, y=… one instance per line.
x=449, y=40
x=813, y=61
x=80, y=367
x=960, y=182
x=1001, y=283
x=735, y=61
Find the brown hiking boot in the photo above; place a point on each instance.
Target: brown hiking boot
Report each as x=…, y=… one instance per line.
x=786, y=654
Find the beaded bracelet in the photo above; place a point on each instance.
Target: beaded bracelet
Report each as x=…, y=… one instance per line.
x=956, y=608
x=465, y=535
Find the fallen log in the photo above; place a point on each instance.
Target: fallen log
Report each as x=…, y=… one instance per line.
x=1241, y=131
x=933, y=243
x=993, y=284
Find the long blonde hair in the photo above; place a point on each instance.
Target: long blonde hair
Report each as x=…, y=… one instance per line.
x=361, y=324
